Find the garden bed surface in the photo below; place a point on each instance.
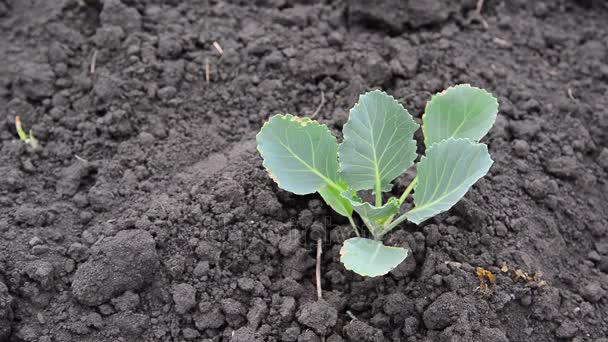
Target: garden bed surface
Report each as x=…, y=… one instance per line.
x=147, y=216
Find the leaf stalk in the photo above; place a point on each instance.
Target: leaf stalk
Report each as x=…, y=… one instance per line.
x=407, y=191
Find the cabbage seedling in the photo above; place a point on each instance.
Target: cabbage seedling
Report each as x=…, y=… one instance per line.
x=302, y=156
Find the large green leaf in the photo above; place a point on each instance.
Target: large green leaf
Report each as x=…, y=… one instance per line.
x=378, y=142
x=299, y=154
x=370, y=212
x=445, y=174
x=370, y=257
x=333, y=197
x=461, y=111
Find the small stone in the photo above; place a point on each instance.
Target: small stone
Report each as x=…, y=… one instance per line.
x=594, y=256
x=208, y=251
x=117, y=13
x=318, y=315
x=287, y=308
x=40, y=249
x=521, y=148
x=106, y=309
x=169, y=46
x=257, y=313
x=69, y=266
x=128, y=301
x=245, y=334
x=35, y=241
x=443, y=312
x=166, y=93
x=410, y=326
x=492, y=334
x=358, y=330
x=289, y=243
x=109, y=36
x=564, y=167
x=566, y=330
x=246, y=284
x=78, y=252
x=184, y=297
x=395, y=303
x=190, y=334
x=176, y=265
x=593, y=292
x=541, y=187
x=126, y=261
x=308, y=336
x=94, y=320
x=201, y=269
x=210, y=317
x=290, y=334
x=41, y=272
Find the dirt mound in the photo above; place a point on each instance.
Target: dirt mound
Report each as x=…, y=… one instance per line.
x=147, y=215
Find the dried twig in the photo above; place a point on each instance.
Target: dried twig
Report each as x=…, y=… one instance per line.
x=320, y=105
x=479, y=7
x=318, y=272
x=571, y=96
x=219, y=49
x=93, y=61
x=478, y=15
x=80, y=158
x=207, y=70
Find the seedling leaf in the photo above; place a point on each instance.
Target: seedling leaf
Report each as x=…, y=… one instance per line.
x=370, y=257
x=334, y=199
x=20, y=132
x=445, y=174
x=378, y=142
x=31, y=140
x=300, y=154
x=370, y=212
x=461, y=111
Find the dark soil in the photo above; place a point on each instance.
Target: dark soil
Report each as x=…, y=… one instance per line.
x=146, y=215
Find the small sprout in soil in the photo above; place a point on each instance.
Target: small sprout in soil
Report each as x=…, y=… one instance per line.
x=28, y=139
x=302, y=156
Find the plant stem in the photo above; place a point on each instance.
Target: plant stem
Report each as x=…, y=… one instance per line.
x=378, y=195
x=371, y=228
x=395, y=223
x=408, y=190
x=352, y=224
x=318, y=272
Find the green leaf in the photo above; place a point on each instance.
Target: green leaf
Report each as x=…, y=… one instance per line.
x=370, y=257
x=461, y=111
x=370, y=212
x=335, y=200
x=378, y=142
x=445, y=174
x=299, y=154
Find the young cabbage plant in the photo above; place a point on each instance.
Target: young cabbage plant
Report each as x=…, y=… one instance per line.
x=302, y=156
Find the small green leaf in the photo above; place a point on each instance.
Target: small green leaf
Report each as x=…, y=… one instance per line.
x=370, y=257
x=299, y=154
x=378, y=142
x=19, y=129
x=461, y=111
x=445, y=174
x=335, y=200
x=370, y=212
